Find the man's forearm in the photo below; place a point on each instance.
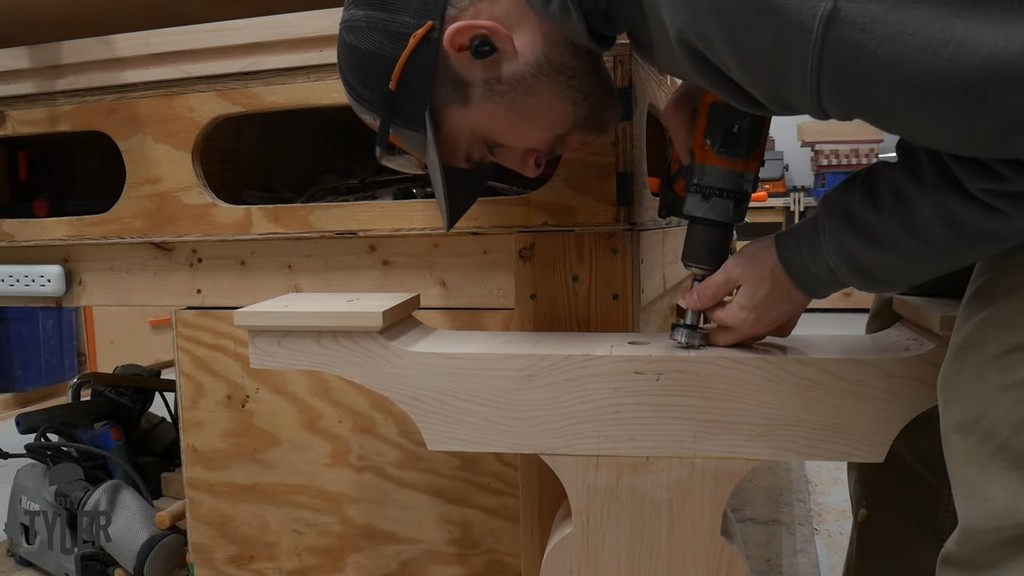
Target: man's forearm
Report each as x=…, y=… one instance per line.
x=894, y=225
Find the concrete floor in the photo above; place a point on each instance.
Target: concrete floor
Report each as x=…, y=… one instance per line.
x=794, y=518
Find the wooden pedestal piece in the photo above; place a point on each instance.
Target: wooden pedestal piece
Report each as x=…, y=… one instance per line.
x=648, y=439
x=643, y=516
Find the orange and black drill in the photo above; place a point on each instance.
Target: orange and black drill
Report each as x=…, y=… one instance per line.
x=712, y=193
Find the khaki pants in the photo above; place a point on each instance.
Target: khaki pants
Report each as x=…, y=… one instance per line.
x=949, y=498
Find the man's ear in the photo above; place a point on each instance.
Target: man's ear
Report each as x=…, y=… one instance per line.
x=459, y=39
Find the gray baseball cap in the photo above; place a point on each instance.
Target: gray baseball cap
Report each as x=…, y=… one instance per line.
x=387, y=59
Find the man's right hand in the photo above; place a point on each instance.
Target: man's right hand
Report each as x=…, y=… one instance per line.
x=678, y=116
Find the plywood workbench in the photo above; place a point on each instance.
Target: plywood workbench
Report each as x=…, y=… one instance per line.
x=304, y=472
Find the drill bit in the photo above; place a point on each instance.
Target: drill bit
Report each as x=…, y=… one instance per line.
x=688, y=332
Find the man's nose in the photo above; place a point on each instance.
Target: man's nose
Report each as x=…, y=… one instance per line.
x=529, y=163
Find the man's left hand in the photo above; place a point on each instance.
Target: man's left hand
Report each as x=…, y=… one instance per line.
x=767, y=303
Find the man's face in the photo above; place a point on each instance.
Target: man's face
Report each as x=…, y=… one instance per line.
x=560, y=102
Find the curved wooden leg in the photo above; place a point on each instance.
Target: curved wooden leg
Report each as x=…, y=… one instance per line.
x=643, y=517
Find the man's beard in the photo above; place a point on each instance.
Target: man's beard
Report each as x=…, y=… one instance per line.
x=585, y=80
x=578, y=76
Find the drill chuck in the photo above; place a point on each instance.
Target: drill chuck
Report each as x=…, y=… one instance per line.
x=708, y=244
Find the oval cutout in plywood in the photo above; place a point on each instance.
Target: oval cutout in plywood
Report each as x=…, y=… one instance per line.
x=657, y=145
x=59, y=175
x=314, y=155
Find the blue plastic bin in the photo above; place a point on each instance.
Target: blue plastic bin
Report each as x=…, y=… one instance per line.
x=825, y=181
x=38, y=348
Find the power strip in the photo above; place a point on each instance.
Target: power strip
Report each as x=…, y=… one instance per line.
x=32, y=281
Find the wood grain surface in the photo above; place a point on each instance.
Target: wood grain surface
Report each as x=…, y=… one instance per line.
x=651, y=90
x=254, y=44
x=837, y=398
x=124, y=335
x=644, y=516
x=447, y=270
x=369, y=311
x=663, y=281
x=166, y=198
x=579, y=281
x=542, y=497
x=306, y=473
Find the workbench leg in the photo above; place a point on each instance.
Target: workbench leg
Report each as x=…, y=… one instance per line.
x=643, y=517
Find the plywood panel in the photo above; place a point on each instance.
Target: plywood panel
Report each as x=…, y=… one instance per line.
x=651, y=90
x=255, y=44
x=449, y=271
x=370, y=311
x=302, y=473
x=124, y=335
x=33, y=22
x=165, y=199
x=574, y=281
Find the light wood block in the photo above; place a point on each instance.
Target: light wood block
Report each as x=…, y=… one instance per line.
x=643, y=516
x=447, y=270
x=633, y=394
x=935, y=314
x=172, y=484
x=316, y=311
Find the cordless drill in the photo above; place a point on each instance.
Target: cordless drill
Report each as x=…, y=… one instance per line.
x=712, y=193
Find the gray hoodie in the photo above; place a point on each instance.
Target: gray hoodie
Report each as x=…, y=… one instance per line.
x=946, y=76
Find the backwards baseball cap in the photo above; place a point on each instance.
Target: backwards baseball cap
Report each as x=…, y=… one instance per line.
x=387, y=58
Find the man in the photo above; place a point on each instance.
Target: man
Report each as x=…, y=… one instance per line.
x=454, y=87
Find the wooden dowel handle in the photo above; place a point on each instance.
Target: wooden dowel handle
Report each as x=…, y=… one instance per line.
x=172, y=515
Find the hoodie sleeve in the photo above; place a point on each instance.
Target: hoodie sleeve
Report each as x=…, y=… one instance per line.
x=947, y=77
x=893, y=225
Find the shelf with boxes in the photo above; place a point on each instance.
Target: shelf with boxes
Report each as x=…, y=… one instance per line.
x=838, y=149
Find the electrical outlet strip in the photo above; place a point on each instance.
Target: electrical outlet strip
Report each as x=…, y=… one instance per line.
x=32, y=281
